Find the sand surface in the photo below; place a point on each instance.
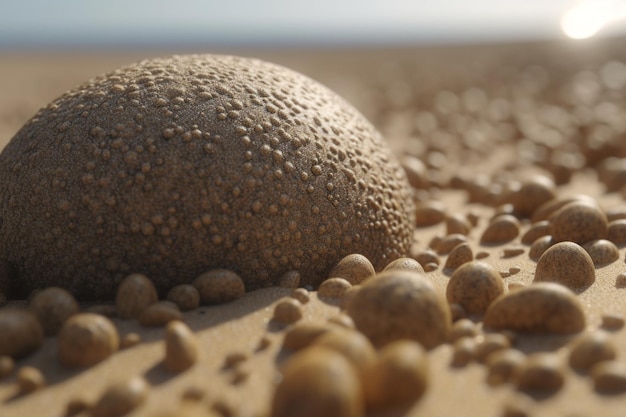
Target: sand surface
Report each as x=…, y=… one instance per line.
x=392, y=87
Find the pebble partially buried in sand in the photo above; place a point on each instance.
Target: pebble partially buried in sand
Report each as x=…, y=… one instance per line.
x=174, y=166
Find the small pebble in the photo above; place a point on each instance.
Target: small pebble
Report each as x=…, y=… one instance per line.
x=134, y=294
x=427, y=257
x=53, y=306
x=76, y=406
x=602, y=252
x=568, y=264
x=448, y=243
x=502, y=365
x=21, y=332
x=532, y=194
x=514, y=270
x=474, y=285
x=397, y=305
x=491, y=343
x=537, y=230
x=263, y=344
x=429, y=213
x=473, y=218
x=616, y=232
x=518, y=406
x=542, y=373
x=234, y=358
x=290, y=279
x=353, y=345
x=159, y=314
x=457, y=224
x=609, y=377
x=302, y=335
x=462, y=328
x=415, y=172
x=578, y=222
x=86, y=339
x=405, y=264
x=611, y=321
x=318, y=382
x=7, y=365
x=193, y=394
x=459, y=255
x=538, y=308
x=129, y=340
x=502, y=229
x=539, y=246
x=185, y=296
x=219, y=286
x=333, y=288
x=547, y=210
x=301, y=294
x=430, y=267
x=287, y=311
x=482, y=255
x=463, y=351
x=590, y=349
x=181, y=347
x=29, y=379
x=354, y=268
x=398, y=377
x=512, y=252
x=122, y=398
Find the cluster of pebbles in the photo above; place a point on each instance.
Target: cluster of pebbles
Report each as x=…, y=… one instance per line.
x=514, y=273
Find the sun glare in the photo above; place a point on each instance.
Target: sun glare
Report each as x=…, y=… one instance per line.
x=587, y=18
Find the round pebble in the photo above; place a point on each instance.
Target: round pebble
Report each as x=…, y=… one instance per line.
x=612, y=321
x=541, y=372
x=502, y=365
x=302, y=335
x=620, y=280
x=287, y=311
x=29, y=379
x=121, y=398
x=462, y=328
x=568, y=264
x=427, y=257
x=318, y=382
x=290, y=279
x=448, y=243
x=429, y=213
x=301, y=295
x=539, y=246
x=547, y=210
x=134, y=294
x=463, y=351
x=538, y=308
x=616, y=232
x=352, y=344
x=21, y=332
x=53, y=306
x=181, y=347
x=537, y=230
x=609, y=377
x=602, y=252
x=578, y=222
x=397, y=305
x=532, y=194
x=333, y=288
x=457, y=224
x=219, y=286
x=490, y=343
x=86, y=339
x=159, y=314
x=474, y=285
x=405, y=264
x=518, y=406
x=459, y=255
x=354, y=268
x=590, y=349
x=185, y=296
x=502, y=229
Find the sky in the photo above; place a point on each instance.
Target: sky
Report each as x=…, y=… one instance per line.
x=249, y=22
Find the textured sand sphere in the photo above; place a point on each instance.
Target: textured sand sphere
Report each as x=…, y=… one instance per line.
x=175, y=166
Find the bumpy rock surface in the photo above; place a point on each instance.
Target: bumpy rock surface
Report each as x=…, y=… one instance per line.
x=175, y=166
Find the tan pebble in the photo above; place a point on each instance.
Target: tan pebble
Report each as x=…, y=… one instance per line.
x=429, y=213
x=301, y=294
x=449, y=242
x=609, y=377
x=537, y=230
x=134, y=294
x=568, y=264
x=21, y=332
x=541, y=372
x=457, y=312
x=457, y=224
x=620, y=280
x=235, y=358
x=76, y=406
x=193, y=394
x=427, y=257
x=400, y=305
x=107, y=310
x=430, y=267
x=578, y=222
x=512, y=286
x=539, y=246
x=263, y=344
x=333, y=288
x=287, y=311
x=415, y=171
x=122, y=398
x=546, y=210
x=239, y=375
x=515, y=270
x=290, y=279
x=502, y=365
x=225, y=407
x=532, y=194
x=342, y=320
x=185, y=296
x=436, y=240
x=302, y=335
x=355, y=268
x=219, y=286
x=352, y=344
x=518, y=406
x=462, y=328
x=590, y=349
x=181, y=347
x=463, y=351
x=318, y=382
x=482, y=255
x=7, y=365
x=408, y=264
x=474, y=286
x=459, y=255
x=53, y=306
x=602, y=252
x=29, y=379
x=490, y=343
x=86, y=339
x=129, y=340
x=398, y=377
x=612, y=321
x=502, y=229
x=538, y=308
x=616, y=232
x=504, y=274
x=512, y=251
x=159, y=314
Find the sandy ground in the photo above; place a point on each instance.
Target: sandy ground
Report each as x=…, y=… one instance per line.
x=392, y=87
